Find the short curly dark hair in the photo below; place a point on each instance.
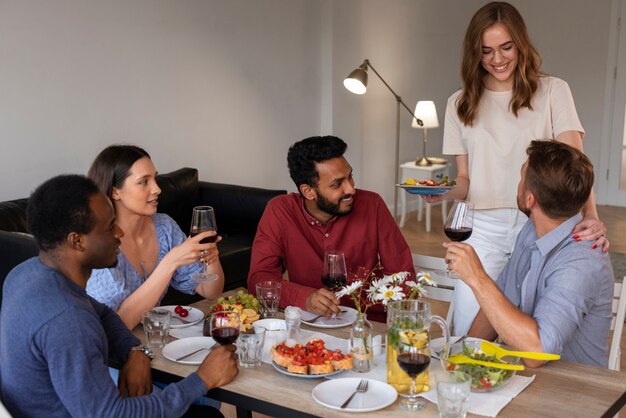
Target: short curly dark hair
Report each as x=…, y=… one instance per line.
x=60, y=206
x=303, y=155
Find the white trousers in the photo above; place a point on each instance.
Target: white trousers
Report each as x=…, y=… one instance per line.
x=493, y=239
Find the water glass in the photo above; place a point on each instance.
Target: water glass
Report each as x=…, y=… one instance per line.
x=453, y=391
x=268, y=293
x=156, y=324
x=249, y=347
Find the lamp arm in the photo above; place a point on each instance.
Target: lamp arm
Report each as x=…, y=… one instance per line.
x=398, y=98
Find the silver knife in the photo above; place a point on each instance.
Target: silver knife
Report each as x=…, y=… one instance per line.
x=191, y=354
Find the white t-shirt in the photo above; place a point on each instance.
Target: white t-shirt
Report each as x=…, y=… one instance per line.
x=496, y=143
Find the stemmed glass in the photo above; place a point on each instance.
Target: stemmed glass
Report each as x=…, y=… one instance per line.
x=459, y=226
x=414, y=361
x=225, y=327
x=203, y=220
x=268, y=293
x=334, y=273
x=460, y=221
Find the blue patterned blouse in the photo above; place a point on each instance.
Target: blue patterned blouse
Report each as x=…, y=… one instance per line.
x=111, y=286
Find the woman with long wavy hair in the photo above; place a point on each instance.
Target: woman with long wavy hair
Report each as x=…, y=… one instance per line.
x=505, y=103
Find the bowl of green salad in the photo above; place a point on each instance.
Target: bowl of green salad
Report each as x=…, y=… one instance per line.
x=484, y=379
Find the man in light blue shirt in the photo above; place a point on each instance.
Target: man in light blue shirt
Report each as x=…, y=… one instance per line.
x=555, y=293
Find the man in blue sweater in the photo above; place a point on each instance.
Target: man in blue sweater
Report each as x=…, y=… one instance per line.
x=55, y=340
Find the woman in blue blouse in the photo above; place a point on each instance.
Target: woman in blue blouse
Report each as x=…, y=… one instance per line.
x=155, y=252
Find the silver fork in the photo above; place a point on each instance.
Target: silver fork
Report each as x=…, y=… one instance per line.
x=319, y=316
x=361, y=388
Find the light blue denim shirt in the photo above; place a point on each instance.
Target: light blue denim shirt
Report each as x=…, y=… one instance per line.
x=567, y=287
x=111, y=286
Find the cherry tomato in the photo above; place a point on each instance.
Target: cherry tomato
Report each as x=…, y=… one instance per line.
x=178, y=309
x=486, y=384
x=183, y=313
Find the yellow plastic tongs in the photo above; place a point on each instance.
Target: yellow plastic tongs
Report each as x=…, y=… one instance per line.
x=499, y=352
x=463, y=359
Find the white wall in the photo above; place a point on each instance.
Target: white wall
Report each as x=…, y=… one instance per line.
x=224, y=86
x=416, y=46
x=228, y=85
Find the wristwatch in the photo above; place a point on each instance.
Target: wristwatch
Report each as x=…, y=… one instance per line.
x=144, y=349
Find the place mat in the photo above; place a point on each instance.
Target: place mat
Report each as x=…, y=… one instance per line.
x=489, y=403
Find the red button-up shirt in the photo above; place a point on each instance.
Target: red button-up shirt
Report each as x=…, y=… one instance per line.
x=289, y=238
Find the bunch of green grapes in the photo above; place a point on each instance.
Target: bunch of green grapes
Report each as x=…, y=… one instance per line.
x=245, y=299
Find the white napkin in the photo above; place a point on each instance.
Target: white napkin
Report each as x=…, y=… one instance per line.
x=489, y=403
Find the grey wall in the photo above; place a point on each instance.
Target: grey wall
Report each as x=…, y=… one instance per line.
x=227, y=85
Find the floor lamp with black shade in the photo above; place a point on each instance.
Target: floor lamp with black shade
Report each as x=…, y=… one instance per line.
x=356, y=83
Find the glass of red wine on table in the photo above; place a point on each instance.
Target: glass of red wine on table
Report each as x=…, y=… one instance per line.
x=334, y=273
x=414, y=361
x=225, y=327
x=203, y=220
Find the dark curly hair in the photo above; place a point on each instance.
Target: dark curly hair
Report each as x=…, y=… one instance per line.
x=303, y=155
x=112, y=166
x=60, y=206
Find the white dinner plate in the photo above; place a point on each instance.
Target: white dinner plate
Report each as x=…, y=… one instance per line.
x=195, y=316
x=343, y=320
x=179, y=348
x=333, y=393
x=283, y=370
x=427, y=190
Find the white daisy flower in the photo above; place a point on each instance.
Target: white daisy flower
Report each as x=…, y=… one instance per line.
x=426, y=278
x=349, y=289
x=387, y=293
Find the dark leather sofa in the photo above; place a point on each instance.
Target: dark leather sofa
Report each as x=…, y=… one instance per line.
x=238, y=210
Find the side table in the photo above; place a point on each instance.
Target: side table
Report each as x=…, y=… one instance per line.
x=435, y=172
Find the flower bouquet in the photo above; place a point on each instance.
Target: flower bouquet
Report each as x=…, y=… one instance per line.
x=371, y=287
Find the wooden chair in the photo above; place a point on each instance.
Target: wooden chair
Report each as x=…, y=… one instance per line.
x=445, y=285
x=617, y=324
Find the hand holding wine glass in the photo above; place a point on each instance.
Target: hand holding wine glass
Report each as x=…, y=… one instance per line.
x=203, y=220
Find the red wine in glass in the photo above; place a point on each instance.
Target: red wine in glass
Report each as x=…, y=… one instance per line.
x=413, y=363
x=224, y=327
x=225, y=335
x=460, y=234
x=334, y=282
x=206, y=240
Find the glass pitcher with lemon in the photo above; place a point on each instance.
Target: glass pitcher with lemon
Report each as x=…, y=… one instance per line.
x=408, y=323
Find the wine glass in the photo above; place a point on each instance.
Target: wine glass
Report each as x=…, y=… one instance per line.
x=460, y=221
x=202, y=220
x=413, y=360
x=459, y=224
x=334, y=274
x=225, y=327
x=268, y=293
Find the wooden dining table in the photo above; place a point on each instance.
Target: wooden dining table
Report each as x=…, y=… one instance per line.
x=560, y=389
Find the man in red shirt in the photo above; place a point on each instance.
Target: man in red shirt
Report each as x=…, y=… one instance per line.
x=328, y=213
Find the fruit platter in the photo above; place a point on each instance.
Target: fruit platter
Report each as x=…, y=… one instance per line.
x=245, y=304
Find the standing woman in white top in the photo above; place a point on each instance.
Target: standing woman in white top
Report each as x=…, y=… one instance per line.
x=506, y=102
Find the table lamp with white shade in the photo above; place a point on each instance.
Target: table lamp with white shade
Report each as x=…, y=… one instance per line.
x=425, y=111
